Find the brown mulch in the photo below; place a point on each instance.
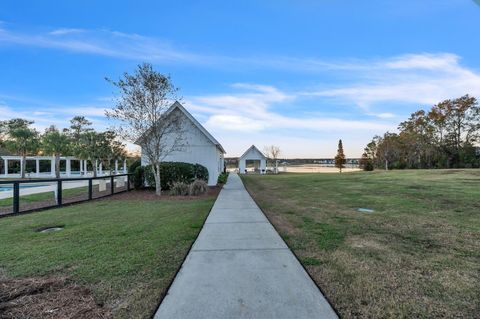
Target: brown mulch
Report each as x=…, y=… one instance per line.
x=148, y=194
x=46, y=298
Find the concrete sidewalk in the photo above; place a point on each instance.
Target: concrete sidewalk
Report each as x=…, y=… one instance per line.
x=239, y=267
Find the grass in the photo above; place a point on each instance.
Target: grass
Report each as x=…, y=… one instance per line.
x=45, y=196
x=125, y=251
x=416, y=256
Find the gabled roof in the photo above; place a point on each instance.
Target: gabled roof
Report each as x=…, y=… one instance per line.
x=179, y=106
x=253, y=147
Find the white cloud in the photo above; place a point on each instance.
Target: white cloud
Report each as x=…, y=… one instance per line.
x=424, y=79
x=64, y=31
x=423, y=61
x=385, y=115
x=235, y=123
x=253, y=111
x=101, y=42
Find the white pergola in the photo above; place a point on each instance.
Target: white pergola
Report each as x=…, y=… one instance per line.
x=68, y=167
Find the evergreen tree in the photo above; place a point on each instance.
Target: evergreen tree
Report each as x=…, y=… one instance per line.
x=340, y=158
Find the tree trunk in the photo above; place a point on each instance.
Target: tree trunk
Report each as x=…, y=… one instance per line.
x=23, y=166
x=57, y=166
x=158, y=185
x=386, y=165
x=94, y=168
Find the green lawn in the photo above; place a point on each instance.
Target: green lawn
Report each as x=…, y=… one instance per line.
x=46, y=196
x=125, y=251
x=416, y=256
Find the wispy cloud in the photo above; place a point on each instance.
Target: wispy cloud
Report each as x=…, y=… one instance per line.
x=253, y=109
x=64, y=31
x=100, y=42
x=55, y=115
x=423, y=79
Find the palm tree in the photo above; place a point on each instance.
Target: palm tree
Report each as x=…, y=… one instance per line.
x=22, y=140
x=56, y=143
x=90, y=147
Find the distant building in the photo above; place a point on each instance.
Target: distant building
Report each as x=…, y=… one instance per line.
x=201, y=147
x=252, y=159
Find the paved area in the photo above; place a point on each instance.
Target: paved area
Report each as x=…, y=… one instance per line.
x=239, y=267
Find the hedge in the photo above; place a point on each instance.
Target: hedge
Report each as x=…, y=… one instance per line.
x=171, y=172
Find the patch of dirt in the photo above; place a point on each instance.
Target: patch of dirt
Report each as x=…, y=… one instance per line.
x=47, y=298
x=359, y=242
x=148, y=194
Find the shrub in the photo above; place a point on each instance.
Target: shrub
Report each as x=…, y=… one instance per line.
x=171, y=172
x=179, y=189
x=222, y=178
x=200, y=172
x=368, y=166
x=198, y=187
x=139, y=177
x=134, y=165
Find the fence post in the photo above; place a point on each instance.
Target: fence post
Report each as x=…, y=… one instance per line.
x=112, y=184
x=90, y=189
x=16, y=198
x=128, y=182
x=59, y=192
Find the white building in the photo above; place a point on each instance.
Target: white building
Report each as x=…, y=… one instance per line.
x=201, y=147
x=80, y=170
x=253, y=159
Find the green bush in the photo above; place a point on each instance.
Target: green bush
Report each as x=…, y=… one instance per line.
x=179, y=189
x=368, y=166
x=200, y=172
x=222, y=178
x=198, y=187
x=134, y=165
x=171, y=172
x=139, y=177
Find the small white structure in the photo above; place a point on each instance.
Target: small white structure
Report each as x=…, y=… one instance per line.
x=201, y=147
x=254, y=158
x=68, y=172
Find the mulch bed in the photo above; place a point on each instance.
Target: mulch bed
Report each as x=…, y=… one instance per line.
x=46, y=298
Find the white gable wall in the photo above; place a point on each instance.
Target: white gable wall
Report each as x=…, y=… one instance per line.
x=199, y=150
x=252, y=154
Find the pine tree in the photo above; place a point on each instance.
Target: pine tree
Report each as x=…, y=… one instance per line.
x=340, y=158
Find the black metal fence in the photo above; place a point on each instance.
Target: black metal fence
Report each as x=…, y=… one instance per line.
x=16, y=196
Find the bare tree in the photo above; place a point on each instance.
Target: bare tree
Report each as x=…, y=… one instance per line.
x=273, y=152
x=145, y=117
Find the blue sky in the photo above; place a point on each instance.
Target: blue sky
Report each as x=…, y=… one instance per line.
x=297, y=74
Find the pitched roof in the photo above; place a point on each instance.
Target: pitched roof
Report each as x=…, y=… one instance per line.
x=253, y=147
x=179, y=106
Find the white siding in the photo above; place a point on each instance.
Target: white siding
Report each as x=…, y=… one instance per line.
x=252, y=154
x=199, y=150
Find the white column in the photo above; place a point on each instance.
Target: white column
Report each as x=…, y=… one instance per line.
x=81, y=166
x=69, y=167
x=116, y=166
x=21, y=166
x=37, y=167
x=96, y=167
x=6, y=167
x=52, y=166
x=124, y=166
x=100, y=169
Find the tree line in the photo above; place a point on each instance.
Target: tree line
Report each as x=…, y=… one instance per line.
x=18, y=137
x=446, y=136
